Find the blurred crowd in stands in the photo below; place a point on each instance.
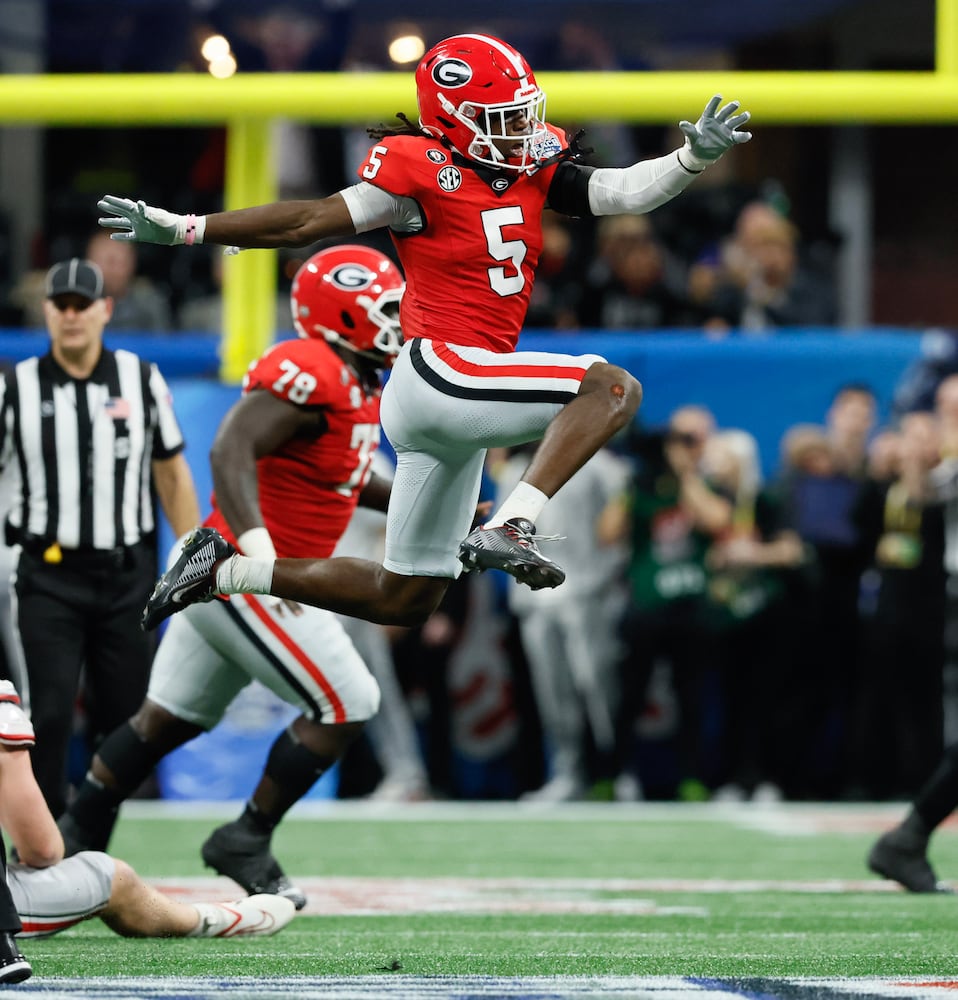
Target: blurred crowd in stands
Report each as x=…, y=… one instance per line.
x=718, y=636
x=618, y=274
x=729, y=256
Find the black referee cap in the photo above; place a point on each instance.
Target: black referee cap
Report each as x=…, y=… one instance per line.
x=76, y=277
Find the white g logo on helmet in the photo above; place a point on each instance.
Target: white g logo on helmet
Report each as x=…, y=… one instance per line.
x=352, y=277
x=452, y=73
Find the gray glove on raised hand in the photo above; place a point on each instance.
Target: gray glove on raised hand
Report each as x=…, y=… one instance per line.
x=714, y=133
x=135, y=220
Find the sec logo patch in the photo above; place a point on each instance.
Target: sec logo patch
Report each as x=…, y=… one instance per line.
x=449, y=178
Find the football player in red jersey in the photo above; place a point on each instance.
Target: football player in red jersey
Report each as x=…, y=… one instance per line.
x=462, y=195
x=292, y=458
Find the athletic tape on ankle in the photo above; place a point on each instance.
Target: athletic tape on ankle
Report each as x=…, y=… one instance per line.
x=257, y=544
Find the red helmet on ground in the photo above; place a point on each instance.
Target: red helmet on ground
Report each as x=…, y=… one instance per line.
x=468, y=86
x=350, y=295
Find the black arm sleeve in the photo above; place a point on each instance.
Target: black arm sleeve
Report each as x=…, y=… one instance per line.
x=569, y=190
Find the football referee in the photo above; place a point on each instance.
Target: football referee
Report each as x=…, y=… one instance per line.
x=88, y=437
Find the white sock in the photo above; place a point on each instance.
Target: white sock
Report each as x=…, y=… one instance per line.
x=242, y=575
x=211, y=919
x=524, y=501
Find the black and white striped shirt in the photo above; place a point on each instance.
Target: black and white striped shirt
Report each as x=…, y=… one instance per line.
x=78, y=451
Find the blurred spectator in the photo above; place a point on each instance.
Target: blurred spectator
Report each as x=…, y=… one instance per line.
x=670, y=515
x=137, y=303
x=884, y=456
x=946, y=409
x=821, y=485
x=204, y=313
x=850, y=421
x=557, y=292
x=917, y=387
x=748, y=566
x=633, y=282
x=899, y=717
x=945, y=485
x=758, y=281
x=806, y=452
x=26, y=299
x=569, y=634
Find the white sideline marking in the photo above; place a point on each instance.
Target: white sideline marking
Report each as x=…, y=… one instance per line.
x=350, y=810
x=778, y=818
x=364, y=896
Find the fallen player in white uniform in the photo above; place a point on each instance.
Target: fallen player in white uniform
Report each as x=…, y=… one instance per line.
x=52, y=893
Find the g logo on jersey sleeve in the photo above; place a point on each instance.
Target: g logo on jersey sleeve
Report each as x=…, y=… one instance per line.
x=452, y=73
x=351, y=277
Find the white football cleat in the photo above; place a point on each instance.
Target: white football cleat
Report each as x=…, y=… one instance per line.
x=255, y=916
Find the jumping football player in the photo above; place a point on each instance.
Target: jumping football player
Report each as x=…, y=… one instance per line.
x=462, y=194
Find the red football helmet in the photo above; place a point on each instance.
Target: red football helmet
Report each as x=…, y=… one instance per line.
x=468, y=86
x=350, y=295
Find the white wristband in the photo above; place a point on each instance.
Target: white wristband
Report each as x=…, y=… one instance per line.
x=256, y=544
x=694, y=164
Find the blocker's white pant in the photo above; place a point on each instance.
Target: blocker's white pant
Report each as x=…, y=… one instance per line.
x=210, y=652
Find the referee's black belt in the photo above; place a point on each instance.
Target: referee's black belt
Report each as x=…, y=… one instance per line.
x=83, y=558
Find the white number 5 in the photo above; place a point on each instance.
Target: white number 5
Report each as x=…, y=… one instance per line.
x=376, y=155
x=493, y=222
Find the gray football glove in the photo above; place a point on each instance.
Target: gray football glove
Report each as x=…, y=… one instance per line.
x=135, y=220
x=714, y=133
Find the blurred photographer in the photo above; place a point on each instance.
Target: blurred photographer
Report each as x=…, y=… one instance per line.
x=670, y=516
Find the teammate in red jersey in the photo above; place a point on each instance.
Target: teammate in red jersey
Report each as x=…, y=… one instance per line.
x=462, y=196
x=291, y=461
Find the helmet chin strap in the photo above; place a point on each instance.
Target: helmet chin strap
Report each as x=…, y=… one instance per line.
x=365, y=365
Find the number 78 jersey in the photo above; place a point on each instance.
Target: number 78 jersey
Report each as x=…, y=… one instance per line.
x=469, y=271
x=309, y=486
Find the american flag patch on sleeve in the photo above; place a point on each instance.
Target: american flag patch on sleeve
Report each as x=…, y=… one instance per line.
x=118, y=408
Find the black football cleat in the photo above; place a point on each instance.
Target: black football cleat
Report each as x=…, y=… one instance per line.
x=900, y=858
x=190, y=580
x=512, y=548
x=14, y=968
x=245, y=857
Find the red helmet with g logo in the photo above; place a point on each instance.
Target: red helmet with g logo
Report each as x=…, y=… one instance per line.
x=468, y=87
x=350, y=295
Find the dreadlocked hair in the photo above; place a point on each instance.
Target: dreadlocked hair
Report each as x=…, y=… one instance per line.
x=382, y=132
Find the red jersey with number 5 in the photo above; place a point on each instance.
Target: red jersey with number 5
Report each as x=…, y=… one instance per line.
x=309, y=487
x=469, y=271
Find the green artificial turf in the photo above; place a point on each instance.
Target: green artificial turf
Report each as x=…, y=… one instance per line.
x=709, y=930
